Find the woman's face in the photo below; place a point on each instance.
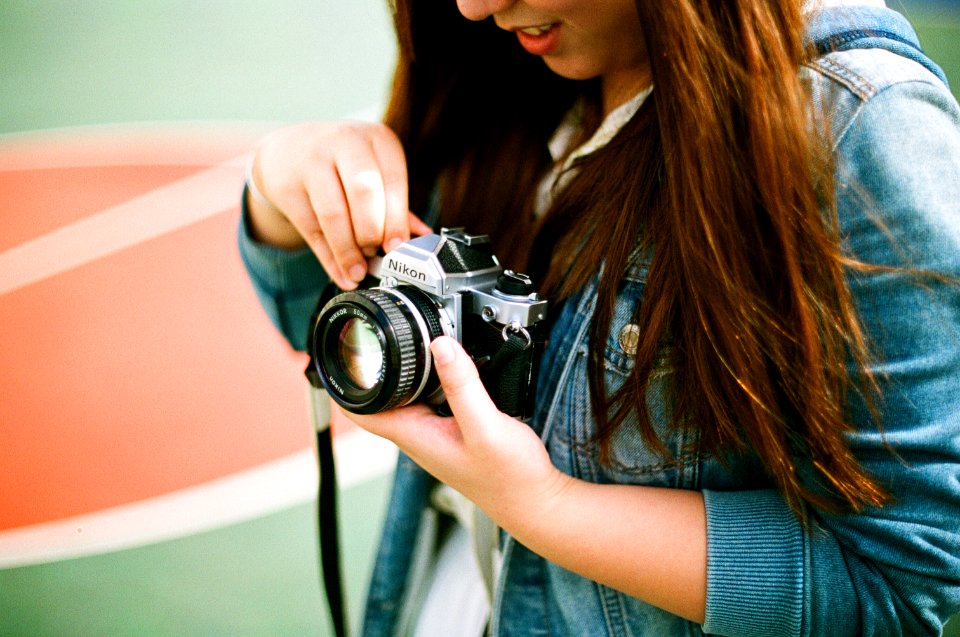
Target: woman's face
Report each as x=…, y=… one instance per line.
x=578, y=39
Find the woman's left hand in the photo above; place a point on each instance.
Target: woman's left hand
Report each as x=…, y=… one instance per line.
x=648, y=542
x=493, y=459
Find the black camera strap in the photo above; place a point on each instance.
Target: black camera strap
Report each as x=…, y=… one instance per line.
x=508, y=383
x=514, y=342
x=327, y=523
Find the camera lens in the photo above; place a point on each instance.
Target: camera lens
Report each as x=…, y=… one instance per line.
x=372, y=347
x=359, y=351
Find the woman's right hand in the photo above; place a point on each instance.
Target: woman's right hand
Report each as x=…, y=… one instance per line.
x=338, y=187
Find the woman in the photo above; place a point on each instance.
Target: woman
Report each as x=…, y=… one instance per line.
x=745, y=217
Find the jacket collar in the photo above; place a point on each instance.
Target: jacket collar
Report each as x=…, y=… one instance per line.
x=841, y=28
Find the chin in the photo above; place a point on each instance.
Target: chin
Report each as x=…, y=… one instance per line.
x=568, y=69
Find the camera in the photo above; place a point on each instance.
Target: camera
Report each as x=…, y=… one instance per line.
x=370, y=348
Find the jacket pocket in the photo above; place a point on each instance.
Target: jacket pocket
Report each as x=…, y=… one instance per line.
x=631, y=460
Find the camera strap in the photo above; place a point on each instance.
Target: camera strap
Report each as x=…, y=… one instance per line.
x=514, y=342
x=327, y=524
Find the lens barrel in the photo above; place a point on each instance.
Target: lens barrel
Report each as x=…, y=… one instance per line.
x=373, y=347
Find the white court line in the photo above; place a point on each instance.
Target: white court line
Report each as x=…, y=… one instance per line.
x=162, y=210
x=139, y=219
x=246, y=495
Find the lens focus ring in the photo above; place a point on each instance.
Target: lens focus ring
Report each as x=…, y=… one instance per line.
x=406, y=352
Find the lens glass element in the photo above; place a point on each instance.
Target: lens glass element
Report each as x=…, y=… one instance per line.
x=361, y=357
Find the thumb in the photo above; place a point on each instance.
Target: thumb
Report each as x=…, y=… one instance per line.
x=461, y=383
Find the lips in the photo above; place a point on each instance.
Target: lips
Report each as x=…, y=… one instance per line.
x=538, y=39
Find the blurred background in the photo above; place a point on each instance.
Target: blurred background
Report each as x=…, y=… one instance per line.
x=155, y=447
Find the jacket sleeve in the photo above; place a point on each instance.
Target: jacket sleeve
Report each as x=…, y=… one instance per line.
x=287, y=283
x=893, y=570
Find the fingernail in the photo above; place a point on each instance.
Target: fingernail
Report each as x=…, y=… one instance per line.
x=443, y=351
x=357, y=273
x=393, y=244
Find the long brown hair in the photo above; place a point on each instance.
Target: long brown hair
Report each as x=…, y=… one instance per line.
x=474, y=112
x=720, y=176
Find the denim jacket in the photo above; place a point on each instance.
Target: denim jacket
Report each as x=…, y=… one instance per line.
x=888, y=571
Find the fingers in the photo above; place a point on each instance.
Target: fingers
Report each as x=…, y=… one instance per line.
x=361, y=171
x=343, y=187
x=370, y=209
x=366, y=192
x=462, y=387
x=393, y=175
x=329, y=228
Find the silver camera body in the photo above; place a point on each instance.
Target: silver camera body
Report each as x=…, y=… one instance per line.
x=370, y=347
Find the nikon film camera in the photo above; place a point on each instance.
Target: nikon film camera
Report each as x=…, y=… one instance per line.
x=369, y=348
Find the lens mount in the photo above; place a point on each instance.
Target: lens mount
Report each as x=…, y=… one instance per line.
x=372, y=347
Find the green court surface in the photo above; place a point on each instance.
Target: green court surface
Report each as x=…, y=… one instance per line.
x=86, y=63
x=106, y=61
x=938, y=26
x=258, y=578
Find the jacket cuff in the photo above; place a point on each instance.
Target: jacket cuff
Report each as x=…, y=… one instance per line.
x=287, y=283
x=275, y=270
x=755, y=564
